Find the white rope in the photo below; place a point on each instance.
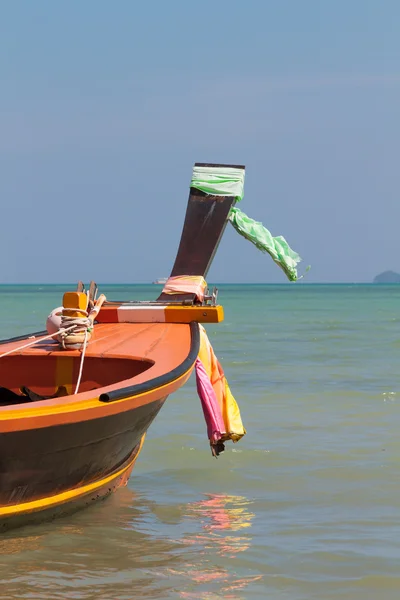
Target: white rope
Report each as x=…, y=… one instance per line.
x=80, y=325
x=81, y=363
x=63, y=332
x=74, y=325
x=36, y=341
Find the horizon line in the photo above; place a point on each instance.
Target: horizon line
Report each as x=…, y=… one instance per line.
x=150, y=283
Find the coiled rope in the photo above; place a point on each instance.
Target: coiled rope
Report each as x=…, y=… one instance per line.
x=70, y=334
x=80, y=327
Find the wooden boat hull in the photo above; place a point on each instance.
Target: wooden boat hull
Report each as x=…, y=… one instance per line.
x=64, y=503
x=63, y=453
x=38, y=462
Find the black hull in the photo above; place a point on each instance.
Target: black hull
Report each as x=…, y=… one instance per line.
x=38, y=463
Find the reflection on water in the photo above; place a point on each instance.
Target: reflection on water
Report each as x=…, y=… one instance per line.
x=221, y=511
x=309, y=507
x=19, y=544
x=102, y=552
x=126, y=547
x=218, y=515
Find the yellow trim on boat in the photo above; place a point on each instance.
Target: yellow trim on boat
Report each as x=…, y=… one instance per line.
x=76, y=406
x=51, y=501
x=64, y=372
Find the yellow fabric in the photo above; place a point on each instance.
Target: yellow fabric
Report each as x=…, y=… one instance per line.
x=228, y=405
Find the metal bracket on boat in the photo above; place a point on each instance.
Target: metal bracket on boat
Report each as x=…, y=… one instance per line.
x=211, y=298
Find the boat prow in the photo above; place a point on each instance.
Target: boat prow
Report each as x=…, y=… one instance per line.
x=59, y=450
x=76, y=401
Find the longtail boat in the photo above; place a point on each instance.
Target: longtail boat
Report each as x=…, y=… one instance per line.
x=77, y=399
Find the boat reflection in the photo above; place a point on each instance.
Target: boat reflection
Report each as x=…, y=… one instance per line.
x=151, y=548
x=218, y=515
x=224, y=513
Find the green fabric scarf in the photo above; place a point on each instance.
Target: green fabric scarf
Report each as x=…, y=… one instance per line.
x=229, y=181
x=277, y=247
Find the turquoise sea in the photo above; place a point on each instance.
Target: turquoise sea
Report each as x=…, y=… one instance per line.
x=305, y=506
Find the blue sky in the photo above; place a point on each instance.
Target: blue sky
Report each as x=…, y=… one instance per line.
x=105, y=107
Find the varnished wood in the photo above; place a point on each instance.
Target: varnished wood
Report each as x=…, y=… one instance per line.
x=219, y=165
x=205, y=221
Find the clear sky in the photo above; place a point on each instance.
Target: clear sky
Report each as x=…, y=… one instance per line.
x=105, y=106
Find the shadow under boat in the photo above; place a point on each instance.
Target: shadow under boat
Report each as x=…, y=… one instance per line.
x=61, y=447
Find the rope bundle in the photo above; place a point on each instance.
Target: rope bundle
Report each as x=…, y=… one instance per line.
x=72, y=332
x=72, y=339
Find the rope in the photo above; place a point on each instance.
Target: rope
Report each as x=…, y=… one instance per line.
x=80, y=325
x=71, y=327
x=36, y=341
x=81, y=363
x=77, y=324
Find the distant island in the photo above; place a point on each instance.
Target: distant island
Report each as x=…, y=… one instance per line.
x=387, y=277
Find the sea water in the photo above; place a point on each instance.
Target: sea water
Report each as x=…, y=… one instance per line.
x=305, y=506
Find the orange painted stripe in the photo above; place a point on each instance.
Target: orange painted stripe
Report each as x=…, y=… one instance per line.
x=187, y=314
x=69, y=496
x=160, y=314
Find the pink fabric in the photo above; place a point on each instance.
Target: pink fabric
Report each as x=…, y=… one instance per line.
x=186, y=284
x=209, y=403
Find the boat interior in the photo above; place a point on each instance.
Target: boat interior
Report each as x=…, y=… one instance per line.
x=118, y=356
x=26, y=378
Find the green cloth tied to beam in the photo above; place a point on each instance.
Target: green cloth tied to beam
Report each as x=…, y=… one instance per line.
x=229, y=181
x=277, y=247
x=219, y=181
